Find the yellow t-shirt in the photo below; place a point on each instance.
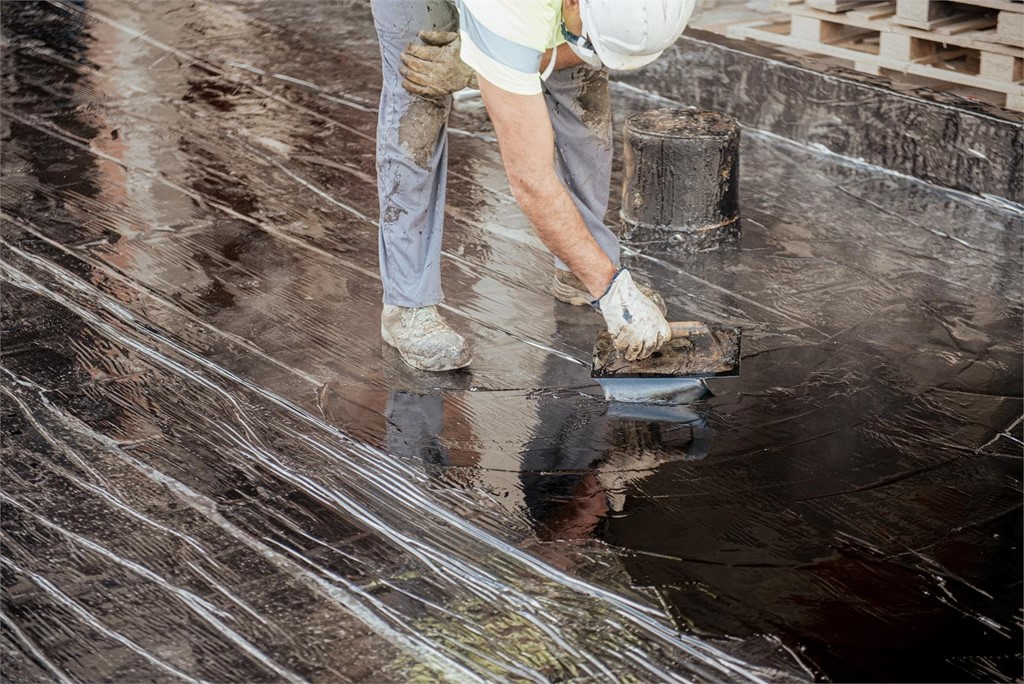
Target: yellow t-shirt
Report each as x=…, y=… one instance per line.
x=504, y=40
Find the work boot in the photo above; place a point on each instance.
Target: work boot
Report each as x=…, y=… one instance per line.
x=423, y=338
x=571, y=290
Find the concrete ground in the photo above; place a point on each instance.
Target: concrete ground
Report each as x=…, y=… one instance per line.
x=214, y=469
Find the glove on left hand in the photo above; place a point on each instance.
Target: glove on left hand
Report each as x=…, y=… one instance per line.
x=434, y=70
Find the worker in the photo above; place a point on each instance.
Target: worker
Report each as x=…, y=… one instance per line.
x=541, y=68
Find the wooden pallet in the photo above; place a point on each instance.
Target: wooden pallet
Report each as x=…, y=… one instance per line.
x=962, y=52
x=977, y=31
x=931, y=14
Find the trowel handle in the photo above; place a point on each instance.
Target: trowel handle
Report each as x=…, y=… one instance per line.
x=688, y=328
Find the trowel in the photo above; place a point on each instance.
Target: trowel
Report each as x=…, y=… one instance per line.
x=675, y=373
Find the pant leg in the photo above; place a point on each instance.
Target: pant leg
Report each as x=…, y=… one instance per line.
x=579, y=105
x=412, y=158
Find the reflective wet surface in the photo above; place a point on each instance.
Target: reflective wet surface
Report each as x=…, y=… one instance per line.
x=214, y=469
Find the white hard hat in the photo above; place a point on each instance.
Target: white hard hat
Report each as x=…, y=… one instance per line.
x=629, y=34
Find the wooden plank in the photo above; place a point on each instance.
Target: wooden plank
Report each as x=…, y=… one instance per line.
x=1001, y=67
x=878, y=10
x=836, y=5
x=808, y=28
x=922, y=13
x=941, y=57
x=927, y=25
x=1004, y=5
x=862, y=44
x=965, y=25
x=814, y=29
x=1011, y=28
x=939, y=14
x=865, y=68
x=989, y=40
x=904, y=47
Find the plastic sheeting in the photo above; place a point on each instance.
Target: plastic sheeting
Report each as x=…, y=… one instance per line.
x=214, y=470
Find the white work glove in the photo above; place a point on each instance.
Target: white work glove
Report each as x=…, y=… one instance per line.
x=434, y=70
x=635, y=323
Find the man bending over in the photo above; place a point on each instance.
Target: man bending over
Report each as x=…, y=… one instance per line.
x=541, y=67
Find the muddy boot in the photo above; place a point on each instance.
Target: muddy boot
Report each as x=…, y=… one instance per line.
x=423, y=338
x=570, y=289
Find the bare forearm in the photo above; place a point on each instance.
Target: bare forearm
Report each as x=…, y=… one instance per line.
x=561, y=228
x=526, y=141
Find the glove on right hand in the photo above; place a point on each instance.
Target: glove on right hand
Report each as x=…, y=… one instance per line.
x=434, y=70
x=635, y=323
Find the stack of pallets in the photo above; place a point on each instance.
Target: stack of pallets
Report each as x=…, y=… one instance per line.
x=973, y=44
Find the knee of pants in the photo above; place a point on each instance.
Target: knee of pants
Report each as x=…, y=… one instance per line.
x=421, y=129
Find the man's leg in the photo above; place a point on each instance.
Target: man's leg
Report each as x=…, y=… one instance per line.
x=412, y=158
x=580, y=107
x=412, y=155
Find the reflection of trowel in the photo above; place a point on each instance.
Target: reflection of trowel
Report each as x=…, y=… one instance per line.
x=674, y=373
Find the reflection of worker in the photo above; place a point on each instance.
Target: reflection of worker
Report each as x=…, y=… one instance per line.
x=564, y=472
x=540, y=69
x=572, y=474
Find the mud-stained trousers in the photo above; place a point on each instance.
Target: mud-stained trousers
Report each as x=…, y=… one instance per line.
x=412, y=154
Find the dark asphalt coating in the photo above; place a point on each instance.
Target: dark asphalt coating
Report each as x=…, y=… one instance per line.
x=213, y=468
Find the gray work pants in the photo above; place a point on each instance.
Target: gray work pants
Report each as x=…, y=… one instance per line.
x=412, y=154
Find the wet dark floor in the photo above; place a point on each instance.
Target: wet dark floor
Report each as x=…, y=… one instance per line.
x=213, y=469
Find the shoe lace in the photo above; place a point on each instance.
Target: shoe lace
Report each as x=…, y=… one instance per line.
x=425, y=318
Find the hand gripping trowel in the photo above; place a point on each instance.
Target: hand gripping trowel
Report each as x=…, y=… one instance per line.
x=675, y=373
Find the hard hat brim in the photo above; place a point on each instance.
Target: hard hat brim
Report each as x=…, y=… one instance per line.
x=618, y=61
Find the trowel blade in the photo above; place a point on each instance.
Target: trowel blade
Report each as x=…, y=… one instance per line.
x=673, y=391
x=703, y=351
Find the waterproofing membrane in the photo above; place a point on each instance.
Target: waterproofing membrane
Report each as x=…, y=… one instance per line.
x=214, y=470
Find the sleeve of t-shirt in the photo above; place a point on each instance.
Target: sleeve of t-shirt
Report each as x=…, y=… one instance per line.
x=504, y=40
